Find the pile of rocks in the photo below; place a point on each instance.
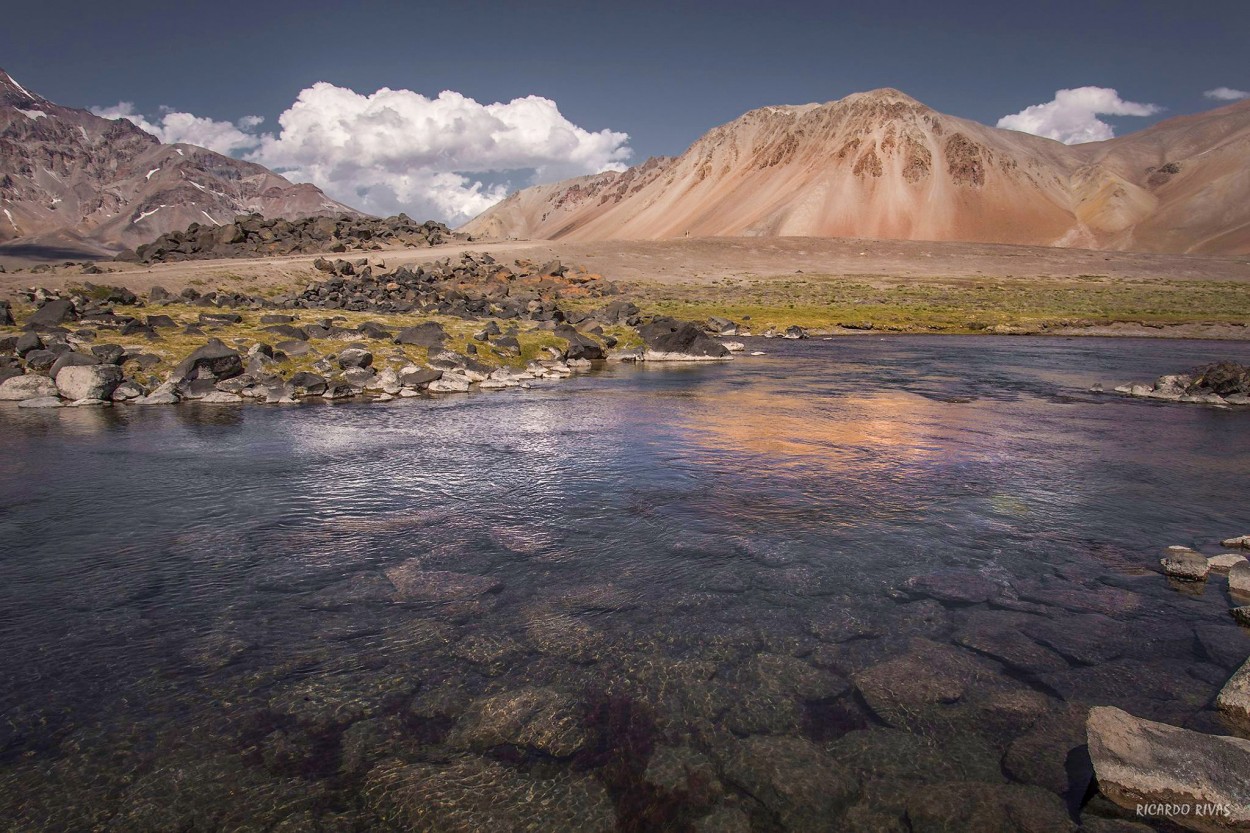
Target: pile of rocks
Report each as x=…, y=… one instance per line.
x=256, y=236
x=1188, y=565
x=1221, y=383
x=474, y=286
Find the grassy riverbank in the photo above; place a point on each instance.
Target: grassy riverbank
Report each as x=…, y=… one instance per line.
x=826, y=302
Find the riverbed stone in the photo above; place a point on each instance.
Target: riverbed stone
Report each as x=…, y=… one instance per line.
x=954, y=586
x=1085, y=638
x=972, y=807
x=470, y=795
x=1241, y=615
x=1139, y=762
x=1234, y=698
x=30, y=386
x=88, y=381
x=1225, y=561
x=540, y=719
x=1242, y=541
x=413, y=583
x=1185, y=564
x=805, y=788
x=1239, y=579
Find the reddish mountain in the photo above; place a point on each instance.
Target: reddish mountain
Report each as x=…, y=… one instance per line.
x=883, y=165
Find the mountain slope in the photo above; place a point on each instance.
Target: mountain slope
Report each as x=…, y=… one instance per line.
x=883, y=165
x=68, y=177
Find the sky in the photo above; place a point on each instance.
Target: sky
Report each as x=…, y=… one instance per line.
x=441, y=109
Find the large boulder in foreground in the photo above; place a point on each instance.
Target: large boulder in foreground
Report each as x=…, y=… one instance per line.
x=1234, y=698
x=1195, y=780
x=30, y=386
x=88, y=381
x=668, y=339
x=212, y=361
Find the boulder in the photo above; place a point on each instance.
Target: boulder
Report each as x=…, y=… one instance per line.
x=1239, y=578
x=41, y=402
x=449, y=383
x=580, y=346
x=71, y=359
x=1224, y=562
x=667, y=339
x=214, y=360
x=1234, y=698
x=1242, y=541
x=26, y=343
x=305, y=383
x=52, y=314
x=418, y=377
x=6, y=315
x=429, y=334
x=1185, y=564
x=1164, y=772
x=88, y=381
x=30, y=386
x=355, y=357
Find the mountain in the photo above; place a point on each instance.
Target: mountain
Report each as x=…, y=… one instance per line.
x=73, y=182
x=883, y=165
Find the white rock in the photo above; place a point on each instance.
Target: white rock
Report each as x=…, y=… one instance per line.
x=1240, y=541
x=30, y=386
x=450, y=383
x=41, y=402
x=96, y=381
x=734, y=346
x=79, y=403
x=1224, y=562
x=383, y=397
x=1185, y=564
x=221, y=397
x=757, y=353
x=408, y=393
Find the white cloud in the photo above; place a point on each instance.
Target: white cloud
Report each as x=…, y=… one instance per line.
x=396, y=150
x=1072, y=117
x=172, y=127
x=1226, y=94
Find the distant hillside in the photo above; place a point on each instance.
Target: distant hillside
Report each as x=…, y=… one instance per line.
x=70, y=180
x=883, y=165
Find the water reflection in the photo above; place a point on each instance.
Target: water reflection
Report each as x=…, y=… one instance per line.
x=761, y=596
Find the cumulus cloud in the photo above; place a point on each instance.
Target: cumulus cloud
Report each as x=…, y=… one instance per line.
x=172, y=126
x=1072, y=118
x=448, y=157
x=1226, y=94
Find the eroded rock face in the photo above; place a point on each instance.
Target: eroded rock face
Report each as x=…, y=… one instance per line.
x=540, y=719
x=1156, y=766
x=472, y=795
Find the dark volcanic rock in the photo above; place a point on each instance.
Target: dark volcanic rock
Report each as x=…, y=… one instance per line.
x=214, y=360
x=669, y=337
x=430, y=335
x=51, y=314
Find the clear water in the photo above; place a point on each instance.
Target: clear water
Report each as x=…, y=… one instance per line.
x=647, y=598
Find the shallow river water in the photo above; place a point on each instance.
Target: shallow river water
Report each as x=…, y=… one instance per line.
x=862, y=584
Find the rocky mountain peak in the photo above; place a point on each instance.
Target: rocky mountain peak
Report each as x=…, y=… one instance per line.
x=73, y=182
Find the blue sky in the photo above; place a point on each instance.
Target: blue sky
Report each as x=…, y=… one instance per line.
x=661, y=73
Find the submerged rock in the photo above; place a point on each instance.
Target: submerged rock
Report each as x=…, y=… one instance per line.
x=972, y=807
x=805, y=788
x=1185, y=564
x=539, y=719
x=472, y=795
x=1195, y=780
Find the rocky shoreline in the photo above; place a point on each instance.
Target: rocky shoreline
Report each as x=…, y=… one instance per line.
x=1221, y=384
x=447, y=327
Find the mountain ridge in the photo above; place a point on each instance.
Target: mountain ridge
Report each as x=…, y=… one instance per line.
x=881, y=164
x=69, y=178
